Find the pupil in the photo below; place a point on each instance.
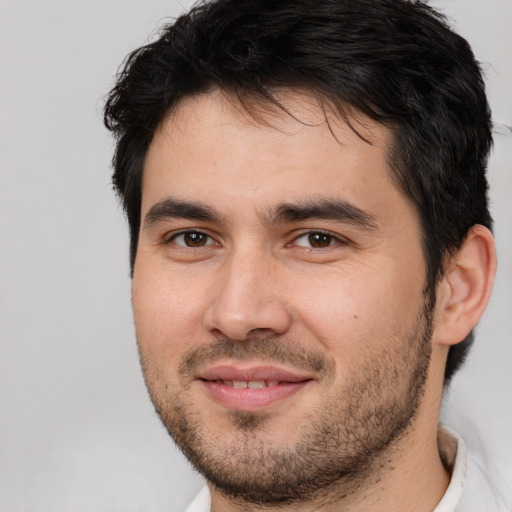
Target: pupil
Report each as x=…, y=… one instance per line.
x=195, y=239
x=319, y=240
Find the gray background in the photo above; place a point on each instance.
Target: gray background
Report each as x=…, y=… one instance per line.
x=77, y=432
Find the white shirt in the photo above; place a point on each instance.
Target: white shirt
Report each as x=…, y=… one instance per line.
x=469, y=489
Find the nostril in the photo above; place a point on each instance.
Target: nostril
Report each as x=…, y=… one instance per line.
x=258, y=333
x=219, y=334
x=261, y=332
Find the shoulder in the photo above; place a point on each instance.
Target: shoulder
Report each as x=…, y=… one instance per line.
x=475, y=486
x=483, y=489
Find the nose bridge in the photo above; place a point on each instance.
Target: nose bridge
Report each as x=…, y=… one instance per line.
x=247, y=297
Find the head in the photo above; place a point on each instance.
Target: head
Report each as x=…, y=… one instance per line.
x=305, y=187
x=395, y=62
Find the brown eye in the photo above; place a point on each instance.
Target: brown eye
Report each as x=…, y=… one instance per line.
x=319, y=240
x=191, y=239
x=195, y=239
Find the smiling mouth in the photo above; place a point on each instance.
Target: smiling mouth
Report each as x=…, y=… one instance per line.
x=251, y=389
x=250, y=384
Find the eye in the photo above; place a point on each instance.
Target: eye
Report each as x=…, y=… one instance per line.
x=192, y=239
x=317, y=240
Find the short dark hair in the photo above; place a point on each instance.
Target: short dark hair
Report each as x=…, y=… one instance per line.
x=395, y=61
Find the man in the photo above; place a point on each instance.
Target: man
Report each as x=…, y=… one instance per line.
x=310, y=248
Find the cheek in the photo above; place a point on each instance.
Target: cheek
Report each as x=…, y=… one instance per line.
x=351, y=312
x=166, y=313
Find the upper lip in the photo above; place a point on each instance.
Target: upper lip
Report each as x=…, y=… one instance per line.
x=251, y=373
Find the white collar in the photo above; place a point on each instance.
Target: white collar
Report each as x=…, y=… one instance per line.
x=452, y=450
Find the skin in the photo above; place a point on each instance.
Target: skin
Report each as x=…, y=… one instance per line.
x=337, y=301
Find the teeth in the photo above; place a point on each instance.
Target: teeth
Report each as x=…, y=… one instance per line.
x=256, y=384
x=251, y=384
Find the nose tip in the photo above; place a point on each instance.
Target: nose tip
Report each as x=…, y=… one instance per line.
x=246, y=302
x=247, y=324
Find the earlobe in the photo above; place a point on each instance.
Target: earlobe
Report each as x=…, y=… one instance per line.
x=465, y=289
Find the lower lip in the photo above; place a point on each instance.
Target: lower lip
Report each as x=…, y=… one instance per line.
x=247, y=399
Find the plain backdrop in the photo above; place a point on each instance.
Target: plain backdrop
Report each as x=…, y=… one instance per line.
x=77, y=431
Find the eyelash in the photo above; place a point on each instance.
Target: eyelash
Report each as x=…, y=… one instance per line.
x=331, y=240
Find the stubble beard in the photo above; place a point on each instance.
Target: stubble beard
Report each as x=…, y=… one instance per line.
x=338, y=445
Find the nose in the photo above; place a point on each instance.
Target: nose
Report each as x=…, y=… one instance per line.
x=248, y=300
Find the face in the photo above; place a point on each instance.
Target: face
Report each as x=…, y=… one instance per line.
x=278, y=295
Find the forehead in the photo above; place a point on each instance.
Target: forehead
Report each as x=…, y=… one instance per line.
x=218, y=149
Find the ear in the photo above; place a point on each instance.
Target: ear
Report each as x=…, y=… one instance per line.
x=464, y=291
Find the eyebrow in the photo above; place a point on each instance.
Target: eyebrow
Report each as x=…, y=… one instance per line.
x=177, y=209
x=329, y=209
